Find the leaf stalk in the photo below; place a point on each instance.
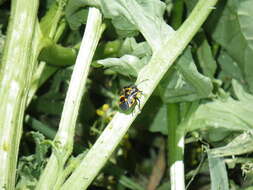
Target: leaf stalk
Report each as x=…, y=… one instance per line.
x=16, y=72
x=65, y=135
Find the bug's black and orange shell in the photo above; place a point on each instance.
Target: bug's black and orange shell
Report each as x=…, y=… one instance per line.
x=129, y=97
x=123, y=103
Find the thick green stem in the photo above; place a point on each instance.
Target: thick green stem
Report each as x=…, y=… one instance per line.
x=57, y=55
x=16, y=72
x=175, y=148
x=65, y=135
x=151, y=74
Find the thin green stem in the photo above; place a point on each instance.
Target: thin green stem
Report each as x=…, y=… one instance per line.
x=175, y=148
x=40, y=127
x=151, y=74
x=16, y=72
x=65, y=135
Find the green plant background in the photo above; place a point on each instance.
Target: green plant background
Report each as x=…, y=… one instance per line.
x=205, y=97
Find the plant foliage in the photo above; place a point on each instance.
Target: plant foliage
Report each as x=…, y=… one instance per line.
x=194, y=75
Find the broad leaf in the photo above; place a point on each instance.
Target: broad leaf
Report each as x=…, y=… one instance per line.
x=206, y=59
x=154, y=116
x=230, y=113
x=240, y=92
x=130, y=46
x=233, y=31
x=185, y=83
x=76, y=14
x=30, y=167
x=240, y=145
x=128, y=65
x=143, y=15
x=229, y=69
x=133, y=56
x=47, y=21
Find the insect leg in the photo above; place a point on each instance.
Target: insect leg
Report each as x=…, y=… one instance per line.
x=139, y=104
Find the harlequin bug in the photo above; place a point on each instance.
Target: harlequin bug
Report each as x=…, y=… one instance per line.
x=129, y=97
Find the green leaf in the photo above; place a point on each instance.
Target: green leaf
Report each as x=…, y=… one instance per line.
x=218, y=172
x=174, y=88
x=119, y=48
x=240, y=145
x=231, y=114
x=240, y=92
x=52, y=101
x=154, y=116
x=206, y=59
x=200, y=83
x=233, y=31
x=190, y=5
x=47, y=21
x=143, y=15
x=134, y=57
x=185, y=83
x=216, y=135
x=245, y=16
x=248, y=188
x=129, y=183
x=130, y=46
x=41, y=147
x=229, y=69
x=160, y=121
x=177, y=13
x=76, y=14
x=128, y=65
x=30, y=167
